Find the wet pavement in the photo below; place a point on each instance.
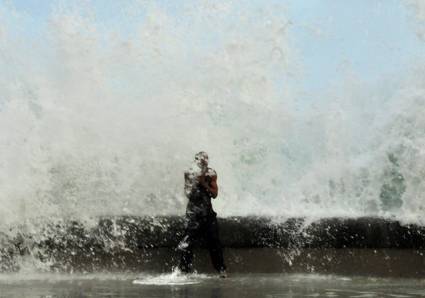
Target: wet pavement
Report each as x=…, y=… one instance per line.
x=206, y=285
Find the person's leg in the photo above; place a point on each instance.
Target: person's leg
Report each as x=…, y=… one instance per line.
x=214, y=245
x=186, y=246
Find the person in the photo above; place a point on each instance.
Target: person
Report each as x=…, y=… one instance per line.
x=201, y=220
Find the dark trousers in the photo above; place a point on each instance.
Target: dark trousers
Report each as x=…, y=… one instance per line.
x=201, y=228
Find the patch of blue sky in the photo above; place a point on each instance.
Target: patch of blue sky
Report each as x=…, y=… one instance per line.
x=27, y=18
x=371, y=38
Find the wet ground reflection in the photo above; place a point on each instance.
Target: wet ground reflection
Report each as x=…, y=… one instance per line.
x=237, y=285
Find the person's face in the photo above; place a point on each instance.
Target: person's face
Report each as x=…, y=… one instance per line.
x=201, y=161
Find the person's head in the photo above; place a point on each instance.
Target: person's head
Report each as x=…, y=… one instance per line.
x=201, y=159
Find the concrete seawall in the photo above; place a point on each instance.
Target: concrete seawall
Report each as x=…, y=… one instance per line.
x=244, y=232
x=256, y=244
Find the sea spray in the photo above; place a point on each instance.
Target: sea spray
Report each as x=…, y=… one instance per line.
x=97, y=121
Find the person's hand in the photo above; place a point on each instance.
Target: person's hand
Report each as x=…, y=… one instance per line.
x=202, y=180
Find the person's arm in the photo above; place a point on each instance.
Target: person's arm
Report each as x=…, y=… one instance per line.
x=214, y=187
x=210, y=184
x=187, y=184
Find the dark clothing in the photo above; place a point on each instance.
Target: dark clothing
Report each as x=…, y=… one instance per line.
x=201, y=223
x=197, y=227
x=199, y=202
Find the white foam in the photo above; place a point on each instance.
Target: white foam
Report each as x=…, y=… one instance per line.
x=174, y=278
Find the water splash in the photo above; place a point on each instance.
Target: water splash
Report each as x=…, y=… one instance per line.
x=171, y=279
x=102, y=121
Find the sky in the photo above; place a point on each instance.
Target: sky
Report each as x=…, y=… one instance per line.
x=372, y=38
